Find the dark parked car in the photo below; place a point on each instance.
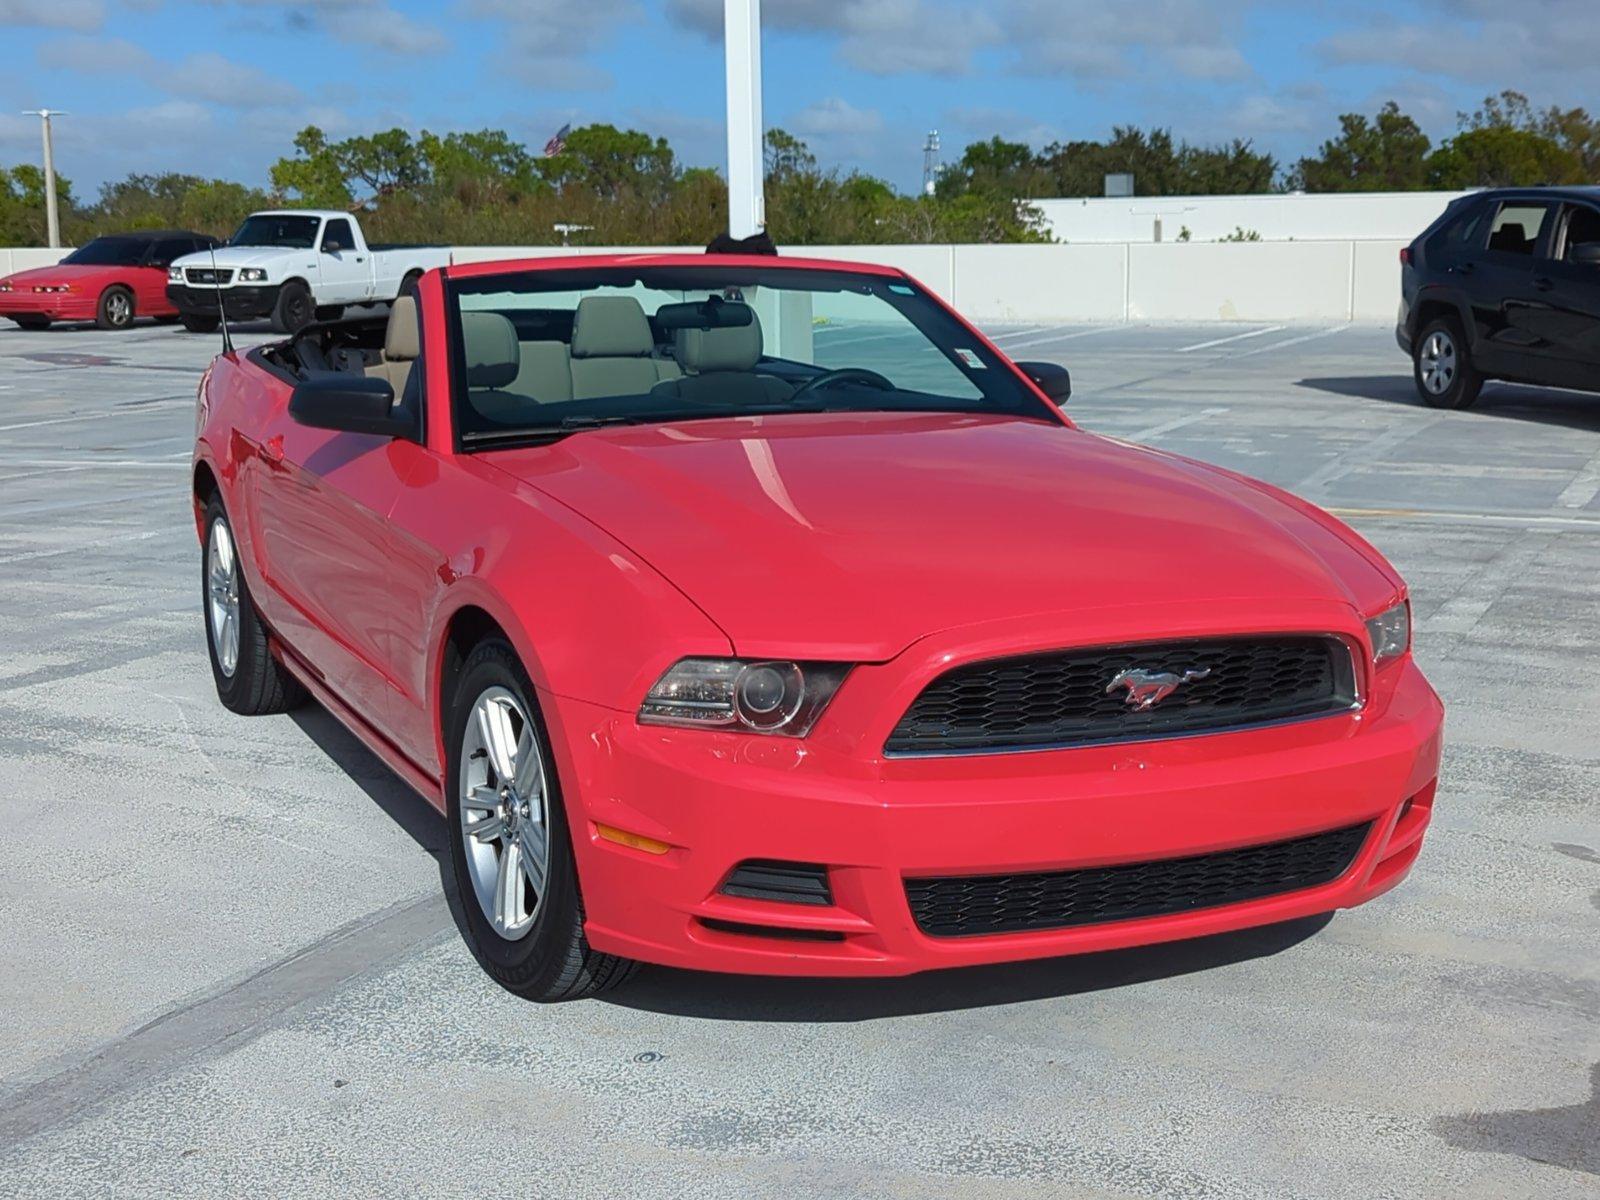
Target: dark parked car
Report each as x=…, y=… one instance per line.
x=1504, y=285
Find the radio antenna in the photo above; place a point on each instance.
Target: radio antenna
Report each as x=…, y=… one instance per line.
x=222, y=309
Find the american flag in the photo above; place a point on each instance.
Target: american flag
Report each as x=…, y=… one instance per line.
x=558, y=143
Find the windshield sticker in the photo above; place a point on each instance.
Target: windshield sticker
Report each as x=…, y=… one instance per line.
x=969, y=359
x=900, y=289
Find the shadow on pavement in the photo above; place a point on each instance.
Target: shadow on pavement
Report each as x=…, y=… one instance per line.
x=1549, y=406
x=760, y=998
x=1567, y=1136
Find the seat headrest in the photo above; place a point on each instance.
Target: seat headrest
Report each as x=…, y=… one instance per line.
x=611, y=327
x=728, y=348
x=493, y=356
x=402, y=340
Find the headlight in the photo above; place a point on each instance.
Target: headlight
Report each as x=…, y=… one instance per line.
x=730, y=693
x=174, y=274
x=1390, y=633
x=253, y=275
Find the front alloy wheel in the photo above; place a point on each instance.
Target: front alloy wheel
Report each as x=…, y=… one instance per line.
x=510, y=852
x=504, y=824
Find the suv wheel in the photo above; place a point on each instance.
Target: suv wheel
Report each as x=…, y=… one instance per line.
x=510, y=852
x=1442, y=366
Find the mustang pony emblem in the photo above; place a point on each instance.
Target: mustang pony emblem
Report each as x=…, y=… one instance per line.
x=1147, y=688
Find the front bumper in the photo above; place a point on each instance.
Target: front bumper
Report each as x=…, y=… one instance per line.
x=242, y=303
x=58, y=306
x=718, y=799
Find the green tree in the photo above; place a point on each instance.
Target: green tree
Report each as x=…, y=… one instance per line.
x=22, y=207
x=786, y=155
x=1386, y=154
x=1502, y=156
x=314, y=176
x=610, y=162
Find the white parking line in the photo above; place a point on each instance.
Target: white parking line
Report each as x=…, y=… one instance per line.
x=1584, y=487
x=1016, y=333
x=96, y=415
x=1223, y=341
x=1042, y=339
x=1205, y=414
x=1294, y=341
x=120, y=463
x=35, y=555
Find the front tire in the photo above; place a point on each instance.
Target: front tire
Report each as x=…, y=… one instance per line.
x=115, y=310
x=294, y=310
x=199, y=323
x=1441, y=366
x=250, y=681
x=510, y=851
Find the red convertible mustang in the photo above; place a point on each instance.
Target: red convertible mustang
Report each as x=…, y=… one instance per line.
x=758, y=615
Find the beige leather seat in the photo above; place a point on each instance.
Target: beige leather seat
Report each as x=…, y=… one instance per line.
x=402, y=344
x=546, y=372
x=613, y=350
x=720, y=367
x=494, y=358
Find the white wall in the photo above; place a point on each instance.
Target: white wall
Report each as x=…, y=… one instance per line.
x=1194, y=281
x=25, y=259
x=1355, y=216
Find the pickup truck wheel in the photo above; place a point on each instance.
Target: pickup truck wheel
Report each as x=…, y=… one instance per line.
x=510, y=853
x=32, y=321
x=115, y=310
x=250, y=681
x=294, y=309
x=1442, y=366
x=199, y=323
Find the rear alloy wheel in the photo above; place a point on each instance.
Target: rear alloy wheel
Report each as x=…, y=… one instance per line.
x=32, y=321
x=115, y=310
x=1442, y=367
x=294, y=310
x=510, y=853
x=250, y=681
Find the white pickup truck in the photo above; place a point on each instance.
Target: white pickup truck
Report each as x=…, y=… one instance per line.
x=293, y=266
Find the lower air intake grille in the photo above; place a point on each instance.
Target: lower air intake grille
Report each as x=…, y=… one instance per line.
x=963, y=905
x=785, y=882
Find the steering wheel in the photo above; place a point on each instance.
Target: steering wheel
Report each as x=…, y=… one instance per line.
x=834, y=378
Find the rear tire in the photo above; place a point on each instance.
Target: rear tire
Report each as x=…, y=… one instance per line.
x=250, y=681
x=32, y=322
x=294, y=310
x=1441, y=366
x=408, y=285
x=115, y=310
x=529, y=940
x=198, y=323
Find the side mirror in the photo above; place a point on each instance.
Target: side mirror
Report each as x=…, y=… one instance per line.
x=1585, y=254
x=1052, y=379
x=350, y=404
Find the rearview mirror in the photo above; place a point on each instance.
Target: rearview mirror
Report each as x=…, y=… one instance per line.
x=1585, y=254
x=350, y=404
x=714, y=313
x=1052, y=379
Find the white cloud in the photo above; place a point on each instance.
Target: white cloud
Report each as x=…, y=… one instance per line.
x=83, y=15
x=547, y=42
x=370, y=24
x=206, y=76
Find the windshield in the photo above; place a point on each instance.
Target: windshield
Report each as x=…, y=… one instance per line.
x=543, y=352
x=108, y=252
x=277, y=229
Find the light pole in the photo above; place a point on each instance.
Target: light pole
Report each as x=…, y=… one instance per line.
x=747, y=207
x=51, y=218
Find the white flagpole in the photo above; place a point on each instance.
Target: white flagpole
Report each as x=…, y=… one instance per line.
x=747, y=209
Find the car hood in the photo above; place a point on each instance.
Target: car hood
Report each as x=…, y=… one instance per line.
x=854, y=536
x=61, y=273
x=239, y=256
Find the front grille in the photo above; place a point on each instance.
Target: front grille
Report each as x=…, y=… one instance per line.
x=966, y=905
x=1062, y=699
x=207, y=276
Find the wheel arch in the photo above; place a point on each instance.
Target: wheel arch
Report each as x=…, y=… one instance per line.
x=1433, y=305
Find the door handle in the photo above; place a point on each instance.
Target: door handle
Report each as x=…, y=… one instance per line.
x=1465, y=268
x=361, y=258
x=1543, y=283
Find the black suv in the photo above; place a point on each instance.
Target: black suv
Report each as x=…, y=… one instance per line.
x=1505, y=285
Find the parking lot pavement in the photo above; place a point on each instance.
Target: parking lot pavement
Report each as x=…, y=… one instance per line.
x=226, y=968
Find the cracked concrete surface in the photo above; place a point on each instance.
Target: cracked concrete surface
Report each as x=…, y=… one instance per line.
x=227, y=969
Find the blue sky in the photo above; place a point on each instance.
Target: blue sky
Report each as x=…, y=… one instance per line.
x=220, y=87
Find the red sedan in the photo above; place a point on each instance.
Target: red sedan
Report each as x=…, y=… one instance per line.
x=110, y=281
x=759, y=615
